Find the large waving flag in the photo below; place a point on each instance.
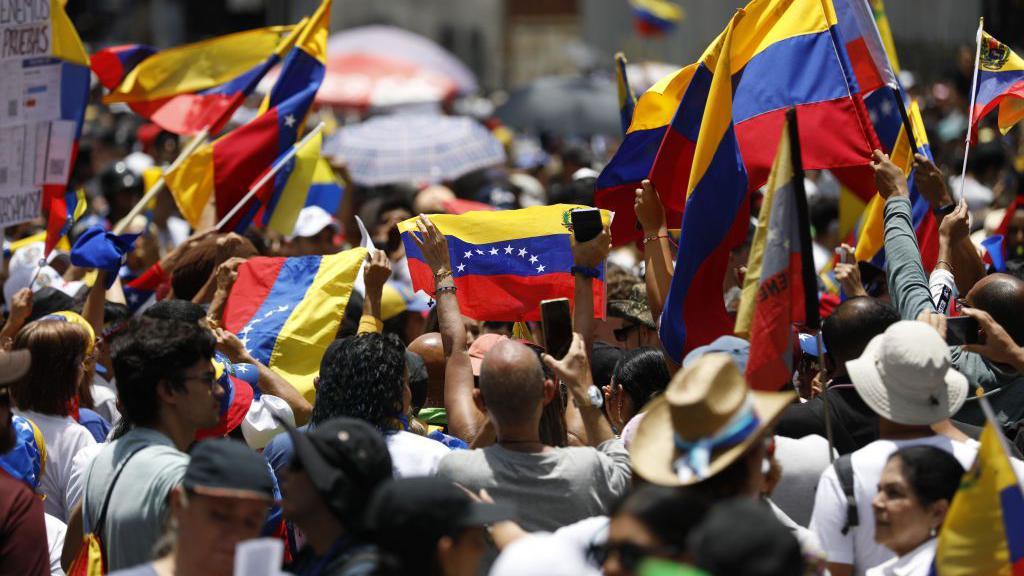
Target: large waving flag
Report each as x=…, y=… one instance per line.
x=288, y=310
x=984, y=528
x=1000, y=83
x=716, y=196
x=281, y=212
x=777, y=290
x=790, y=55
x=188, y=88
x=504, y=263
x=226, y=168
x=325, y=190
x=67, y=49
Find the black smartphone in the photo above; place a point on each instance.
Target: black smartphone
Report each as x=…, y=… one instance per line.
x=586, y=224
x=557, y=319
x=961, y=330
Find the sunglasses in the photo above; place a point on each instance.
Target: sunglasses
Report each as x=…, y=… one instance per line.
x=630, y=555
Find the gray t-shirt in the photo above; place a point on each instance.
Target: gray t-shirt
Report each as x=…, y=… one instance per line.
x=549, y=489
x=139, y=502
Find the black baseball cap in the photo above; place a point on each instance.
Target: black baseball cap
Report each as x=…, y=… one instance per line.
x=416, y=512
x=345, y=458
x=228, y=469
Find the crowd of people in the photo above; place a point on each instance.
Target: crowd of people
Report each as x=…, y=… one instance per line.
x=137, y=427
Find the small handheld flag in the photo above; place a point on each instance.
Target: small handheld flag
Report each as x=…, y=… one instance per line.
x=655, y=17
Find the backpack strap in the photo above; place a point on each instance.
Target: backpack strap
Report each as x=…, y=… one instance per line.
x=97, y=528
x=844, y=471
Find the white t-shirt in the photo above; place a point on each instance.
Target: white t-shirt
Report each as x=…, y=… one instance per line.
x=858, y=546
x=803, y=460
x=79, y=467
x=917, y=563
x=64, y=439
x=55, y=531
x=104, y=398
x=414, y=455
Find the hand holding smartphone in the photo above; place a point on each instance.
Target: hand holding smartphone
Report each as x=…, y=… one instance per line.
x=557, y=322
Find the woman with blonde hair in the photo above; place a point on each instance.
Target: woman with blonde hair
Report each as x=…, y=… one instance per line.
x=48, y=396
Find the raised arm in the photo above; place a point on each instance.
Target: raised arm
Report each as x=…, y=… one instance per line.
x=961, y=254
x=574, y=370
x=908, y=284
x=657, y=247
x=587, y=257
x=20, y=309
x=375, y=275
x=464, y=419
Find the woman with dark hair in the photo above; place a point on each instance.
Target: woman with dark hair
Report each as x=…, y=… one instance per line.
x=653, y=521
x=48, y=396
x=914, y=493
x=640, y=375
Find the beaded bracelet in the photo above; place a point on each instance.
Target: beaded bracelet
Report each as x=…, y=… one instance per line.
x=442, y=289
x=585, y=272
x=654, y=237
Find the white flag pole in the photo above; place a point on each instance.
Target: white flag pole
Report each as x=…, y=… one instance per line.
x=270, y=174
x=970, y=111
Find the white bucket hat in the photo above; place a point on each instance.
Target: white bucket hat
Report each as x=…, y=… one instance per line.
x=905, y=375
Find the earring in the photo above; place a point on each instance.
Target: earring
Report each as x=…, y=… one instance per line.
x=933, y=532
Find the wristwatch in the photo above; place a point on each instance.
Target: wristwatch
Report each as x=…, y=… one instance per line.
x=944, y=210
x=595, y=396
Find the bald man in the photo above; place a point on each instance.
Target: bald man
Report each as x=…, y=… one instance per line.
x=550, y=487
x=430, y=347
x=1001, y=295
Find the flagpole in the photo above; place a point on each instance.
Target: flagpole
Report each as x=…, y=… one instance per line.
x=908, y=127
x=270, y=174
x=970, y=111
x=203, y=136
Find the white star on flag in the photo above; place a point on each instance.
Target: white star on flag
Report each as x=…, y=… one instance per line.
x=479, y=251
x=494, y=251
x=522, y=252
x=533, y=259
x=283, y=308
x=468, y=254
x=461, y=267
x=289, y=120
x=508, y=249
x=540, y=268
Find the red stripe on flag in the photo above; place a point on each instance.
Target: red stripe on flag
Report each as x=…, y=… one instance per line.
x=864, y=68
x=780, y=303
x=674, y=175
x=255, y=280
x=830, y=133
x=240, y=157
x=191, y=113
x=507, y=298
x=619, y=200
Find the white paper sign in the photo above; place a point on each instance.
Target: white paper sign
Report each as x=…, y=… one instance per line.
x=19, y=205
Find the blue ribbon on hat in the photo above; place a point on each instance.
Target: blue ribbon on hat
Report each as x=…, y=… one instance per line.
x=97, y=248
x=694, y=460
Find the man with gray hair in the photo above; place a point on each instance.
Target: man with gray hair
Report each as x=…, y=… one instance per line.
x=551, y=487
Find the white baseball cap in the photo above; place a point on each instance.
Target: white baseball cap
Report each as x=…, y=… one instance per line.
x=311, y=221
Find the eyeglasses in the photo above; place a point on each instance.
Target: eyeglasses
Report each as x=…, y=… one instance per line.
x=622, y=334
x=210, y=379
x=630, y=555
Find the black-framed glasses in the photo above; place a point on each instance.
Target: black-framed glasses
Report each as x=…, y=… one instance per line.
x=622, y=334
x=630, y=555
x=209, y=378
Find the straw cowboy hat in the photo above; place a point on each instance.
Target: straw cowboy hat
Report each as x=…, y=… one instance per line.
x=706, y=419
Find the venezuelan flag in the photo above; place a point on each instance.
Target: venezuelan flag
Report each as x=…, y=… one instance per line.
x=627, y=100
x=64, y=213
x=716, y=193
x=192, y=87
x=504, y=263
x=67, y=49
x=325, y=191
x=288, y=310
x=1000, y=83
x=225, y=168
x=790, y=54
x=984, y=528
x=282, y=210
x=776, y=292
x=655, y=17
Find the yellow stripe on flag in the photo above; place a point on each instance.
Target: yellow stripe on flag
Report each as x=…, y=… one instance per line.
x=191, y=184
x=485, y=227
x=293, y=195
x=66, y=44
x=314, y=322
x=194, y=67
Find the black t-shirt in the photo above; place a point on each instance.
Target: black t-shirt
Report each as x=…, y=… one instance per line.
x=854, y=424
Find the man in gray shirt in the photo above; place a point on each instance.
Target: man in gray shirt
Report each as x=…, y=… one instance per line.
x=550, y=487
x=168, y=390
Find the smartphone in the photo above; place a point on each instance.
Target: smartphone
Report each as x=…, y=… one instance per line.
x=557, y=321
x=586, y=224
x=961, y=330
x=845, y=256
